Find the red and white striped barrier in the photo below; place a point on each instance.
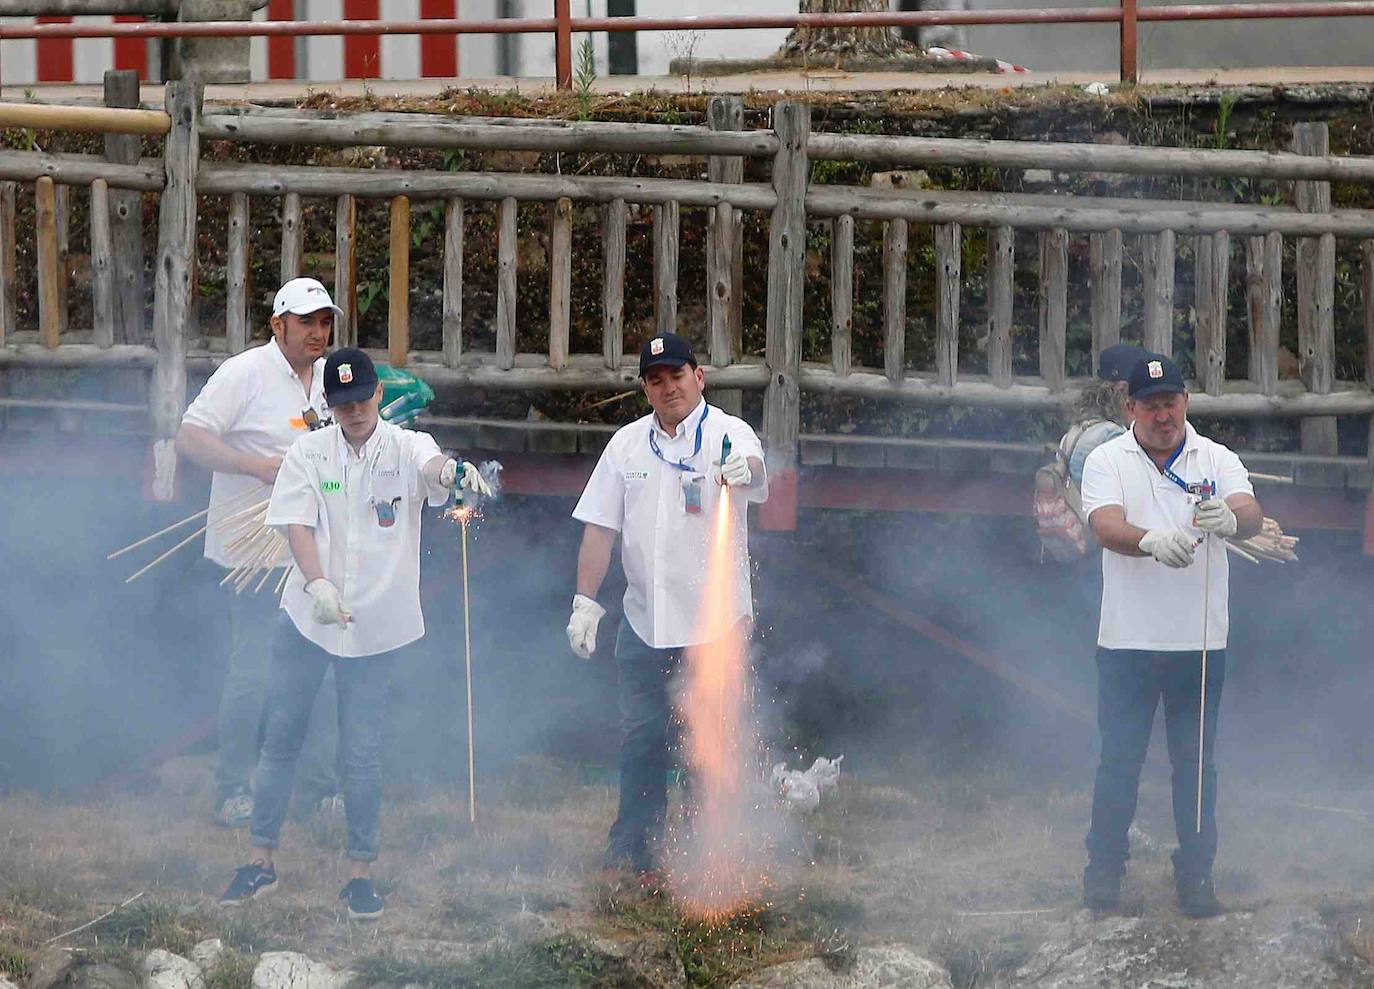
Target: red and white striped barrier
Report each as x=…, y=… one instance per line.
x=955, y=55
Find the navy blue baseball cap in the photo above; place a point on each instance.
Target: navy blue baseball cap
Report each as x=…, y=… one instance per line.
x=349, y=376
x=1117, y=362
x=665, y=350
x=1154, y=375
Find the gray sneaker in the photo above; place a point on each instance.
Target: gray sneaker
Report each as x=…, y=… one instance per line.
x=236, y=812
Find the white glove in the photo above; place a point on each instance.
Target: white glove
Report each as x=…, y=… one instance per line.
x=1171, y=547
x=326, y=607
x=733, y=470
x=472, y=477
x=586, y=616
x=1214, y=515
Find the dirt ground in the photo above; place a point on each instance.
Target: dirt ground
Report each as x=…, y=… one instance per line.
x=979, y=873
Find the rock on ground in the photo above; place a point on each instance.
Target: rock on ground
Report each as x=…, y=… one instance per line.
x=292, y=970
x=6, y=983
x=873, y=968
x=100, y=976
x=207, y=953
x=1280, y=948
x=164, y=970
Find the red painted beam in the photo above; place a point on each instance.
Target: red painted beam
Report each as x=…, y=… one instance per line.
x=438, y=52
x=54, y=54
x=362, y=53
x=131, y=53
x=281, y=51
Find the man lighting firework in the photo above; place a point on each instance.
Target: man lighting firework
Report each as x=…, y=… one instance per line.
x=349, y=498
x=251, y=410
x=657, y=485
x=1161, y=499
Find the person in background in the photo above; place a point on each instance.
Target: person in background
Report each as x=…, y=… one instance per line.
x=255, y=405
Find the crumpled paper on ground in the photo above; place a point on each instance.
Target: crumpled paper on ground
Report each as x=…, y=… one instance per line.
x=802, y=789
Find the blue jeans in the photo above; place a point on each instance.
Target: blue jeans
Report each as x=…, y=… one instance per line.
x=243, y=703
x=1130, y=684
x=297, y=668
x=645, y=699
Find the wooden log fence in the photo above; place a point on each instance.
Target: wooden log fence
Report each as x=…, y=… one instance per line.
x=1110, y=228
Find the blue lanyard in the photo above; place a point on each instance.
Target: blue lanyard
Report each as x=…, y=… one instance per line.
x=1203, y=489
x=696, y=448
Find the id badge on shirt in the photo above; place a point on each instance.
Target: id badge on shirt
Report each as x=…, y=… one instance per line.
x=692, y=487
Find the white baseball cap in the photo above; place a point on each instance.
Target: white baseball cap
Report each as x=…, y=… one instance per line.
x=303, y=296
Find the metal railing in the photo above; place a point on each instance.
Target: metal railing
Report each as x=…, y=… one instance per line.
x=563, y=25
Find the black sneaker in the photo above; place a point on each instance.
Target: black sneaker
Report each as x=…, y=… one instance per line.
x=363, y=901
x=1101, y=890
x=250, y=882
x=1197, y=897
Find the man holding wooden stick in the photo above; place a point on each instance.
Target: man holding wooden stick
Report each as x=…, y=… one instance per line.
x=252, y=409
x=656, y=486
x=1154, y=496
x=349, y=499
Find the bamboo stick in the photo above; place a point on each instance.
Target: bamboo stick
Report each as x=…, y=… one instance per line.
x=139, y=573
x=177, y=525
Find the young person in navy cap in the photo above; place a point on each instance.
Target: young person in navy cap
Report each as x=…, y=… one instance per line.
x=656, y=487
x=1160, y=499
x=349, y=498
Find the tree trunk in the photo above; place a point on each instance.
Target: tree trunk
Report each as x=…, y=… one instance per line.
x=828, y=43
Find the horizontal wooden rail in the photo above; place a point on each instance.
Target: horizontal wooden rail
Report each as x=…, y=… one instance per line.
x=438, y=131
x=25, y=166
x=222, y=178
x=1135, y=159
x=98, y=119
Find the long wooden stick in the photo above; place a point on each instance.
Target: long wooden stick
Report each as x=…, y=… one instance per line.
x=177, y=525
x=1202, y=693
x=139, y=573
x=467, y=645
x=285, y=575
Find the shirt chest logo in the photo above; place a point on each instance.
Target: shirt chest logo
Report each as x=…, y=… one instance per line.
x=636, y=475
x=331, y=487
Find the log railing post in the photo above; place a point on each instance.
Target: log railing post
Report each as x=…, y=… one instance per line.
x=126, y=218
x=398, y=292
x=45, y=218
x=1316, y=277
x=1212, y=254
x=346, y=270
x=1054, y=305
x=1263, y=298
x=1104, y=261
x=236, y=330
x=723, y=113
x=1159, y=292
x=506, y=250
x=613, y=287
x=9, y=260
x=560, y=281
x=842, y=294
x=894, y=299
x=176, y=252
x=292, y=237
x=102, y=267
x=453, y=281
x=949, y=252
x=1001, y=266
x=62, y=211
x=783, y=334
x=667, y=223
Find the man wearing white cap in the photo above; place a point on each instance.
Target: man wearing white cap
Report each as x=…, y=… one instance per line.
x=239, y=427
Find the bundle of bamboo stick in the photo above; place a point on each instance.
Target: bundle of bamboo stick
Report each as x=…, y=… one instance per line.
x=250, y=541
x=1271, y=544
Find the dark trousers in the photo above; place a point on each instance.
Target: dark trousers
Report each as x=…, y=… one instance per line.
x=297, y=668
x=1130, y=684
x=644, y=692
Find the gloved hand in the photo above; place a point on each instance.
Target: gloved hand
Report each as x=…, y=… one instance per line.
x=733, y=470
x=1171, y=547
x=1214, y=515
x=472, y=478
x=326, y=607
x=586, y=616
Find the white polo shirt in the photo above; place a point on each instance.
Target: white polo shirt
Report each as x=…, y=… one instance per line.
x=254, y=402
x=641, y=494
x=1146, y=605
x=365, y=509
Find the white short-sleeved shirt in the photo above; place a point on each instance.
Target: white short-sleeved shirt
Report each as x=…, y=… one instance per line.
x=1146, y=605
x=641, y=495
x=365, y=508
x=255, y=403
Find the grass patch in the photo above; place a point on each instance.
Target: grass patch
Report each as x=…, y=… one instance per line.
x=232, y=971
x=554, y=964
x=975, y=960
x=14, y=961
x=146, y=924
